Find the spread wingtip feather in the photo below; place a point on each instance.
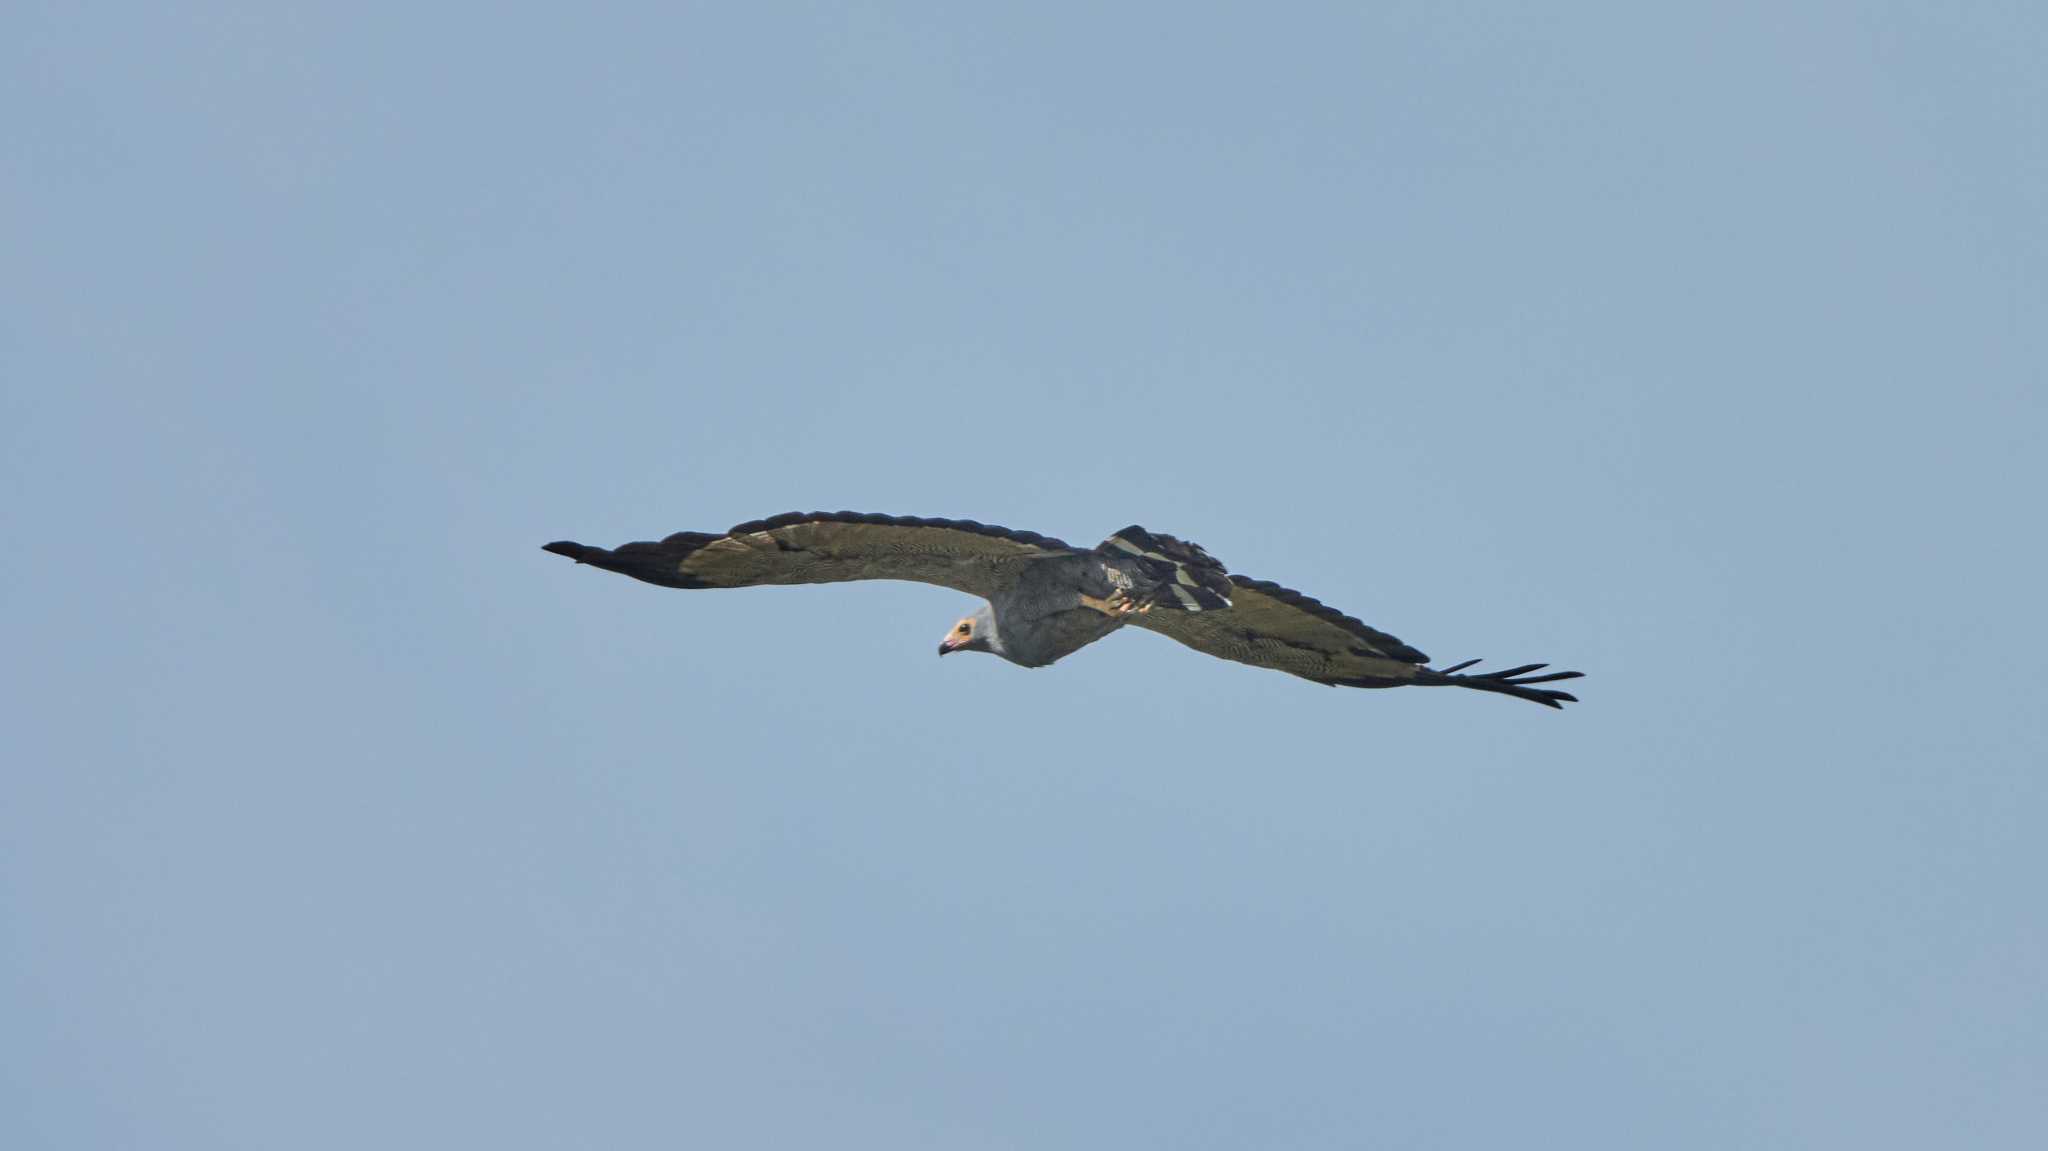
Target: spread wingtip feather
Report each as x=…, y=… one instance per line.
x=1514, y=681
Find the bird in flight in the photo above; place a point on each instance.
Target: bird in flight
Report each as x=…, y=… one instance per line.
x=1045, y=599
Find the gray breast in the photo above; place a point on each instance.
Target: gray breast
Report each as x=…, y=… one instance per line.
x=1040, y=641
x=1041, y=619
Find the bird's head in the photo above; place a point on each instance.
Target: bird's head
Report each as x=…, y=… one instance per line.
x=977, y=632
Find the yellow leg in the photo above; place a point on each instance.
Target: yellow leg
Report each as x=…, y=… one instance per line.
x=1118, y=603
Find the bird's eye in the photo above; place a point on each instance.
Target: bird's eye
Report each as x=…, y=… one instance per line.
x=963, y=629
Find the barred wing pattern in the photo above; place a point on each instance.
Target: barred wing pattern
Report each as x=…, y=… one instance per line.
x=828, y=547
x=1276, y=627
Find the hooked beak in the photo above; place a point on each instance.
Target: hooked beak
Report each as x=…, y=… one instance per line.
x=946, y=645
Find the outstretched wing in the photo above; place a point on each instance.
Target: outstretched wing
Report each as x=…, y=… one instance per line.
x=829, y=547
x=1267, y=625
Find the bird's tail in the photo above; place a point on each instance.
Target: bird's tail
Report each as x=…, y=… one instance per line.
x=1185, y=577
x=1515, y=681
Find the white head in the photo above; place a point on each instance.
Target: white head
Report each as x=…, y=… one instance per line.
x=977, y=632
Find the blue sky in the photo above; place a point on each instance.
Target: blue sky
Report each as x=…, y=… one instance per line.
x=1698, y=348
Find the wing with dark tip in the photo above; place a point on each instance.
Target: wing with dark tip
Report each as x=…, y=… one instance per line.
x=829, y=547
x=1275, y=627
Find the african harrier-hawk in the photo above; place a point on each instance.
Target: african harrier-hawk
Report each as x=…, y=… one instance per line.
x=1046, y=600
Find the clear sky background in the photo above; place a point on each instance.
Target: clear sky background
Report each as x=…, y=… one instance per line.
x=1700, y=348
